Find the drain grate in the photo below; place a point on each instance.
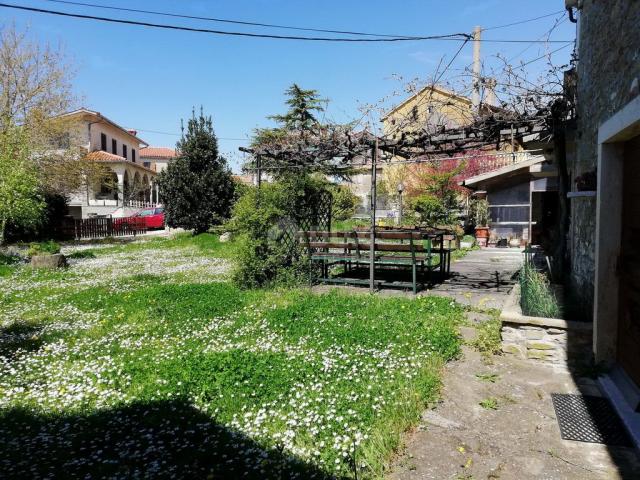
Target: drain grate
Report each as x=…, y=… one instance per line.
x=590, y=419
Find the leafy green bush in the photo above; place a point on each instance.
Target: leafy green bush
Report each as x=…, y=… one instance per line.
x=344, y=202
x=261, y=219
x=431, y=210
x=8, y=258
x=44, y=248
x=469, y=239
x=536, y=295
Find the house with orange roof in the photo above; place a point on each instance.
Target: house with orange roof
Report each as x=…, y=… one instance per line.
x=157, y=158
x=131, y=185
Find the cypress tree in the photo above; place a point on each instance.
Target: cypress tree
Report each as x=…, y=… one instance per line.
x=196, y=188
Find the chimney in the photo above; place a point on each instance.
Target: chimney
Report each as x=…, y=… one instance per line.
x=133, y=132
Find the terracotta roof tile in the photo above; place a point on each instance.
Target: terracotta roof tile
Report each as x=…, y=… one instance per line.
x=157, y=152
x=101, y=156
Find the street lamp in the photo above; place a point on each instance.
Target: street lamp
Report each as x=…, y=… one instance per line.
x=400, y=190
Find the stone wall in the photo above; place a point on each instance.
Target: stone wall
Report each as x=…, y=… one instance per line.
x=608, y=76
x=560, y=347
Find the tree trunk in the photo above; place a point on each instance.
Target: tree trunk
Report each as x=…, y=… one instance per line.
x=3, y=225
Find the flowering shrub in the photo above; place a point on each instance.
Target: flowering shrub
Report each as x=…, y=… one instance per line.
x=147, y=362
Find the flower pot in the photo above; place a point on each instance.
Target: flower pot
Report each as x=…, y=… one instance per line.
x=482, y=236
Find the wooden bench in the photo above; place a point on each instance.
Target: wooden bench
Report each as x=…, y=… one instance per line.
x=391, y=249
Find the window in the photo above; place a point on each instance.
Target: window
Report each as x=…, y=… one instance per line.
x=146, y=213
x=124, y=151
x=103, y=142
x=147, y=164
x=133, y=155
x=414, y=113
x=114, y=146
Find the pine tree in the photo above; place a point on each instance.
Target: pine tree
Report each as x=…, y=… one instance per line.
x=302, y=105
x=196, y=188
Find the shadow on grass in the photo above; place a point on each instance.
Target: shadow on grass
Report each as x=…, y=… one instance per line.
x=164, y=439
x=20, y=336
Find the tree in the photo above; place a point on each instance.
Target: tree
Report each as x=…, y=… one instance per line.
x=20, y=199
x=302, y=104
x=35, y=90
x=197, y=188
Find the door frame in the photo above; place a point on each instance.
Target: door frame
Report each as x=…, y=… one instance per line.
x=612, y=135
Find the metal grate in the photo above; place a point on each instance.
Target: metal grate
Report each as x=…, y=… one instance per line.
x=585, y=418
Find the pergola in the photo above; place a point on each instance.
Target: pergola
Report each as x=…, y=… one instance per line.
x=340, y=152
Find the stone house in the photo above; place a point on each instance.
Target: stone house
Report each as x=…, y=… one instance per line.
x=131, y=186
x=604, y=238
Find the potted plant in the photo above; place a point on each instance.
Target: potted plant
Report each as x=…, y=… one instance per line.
x=480, y=214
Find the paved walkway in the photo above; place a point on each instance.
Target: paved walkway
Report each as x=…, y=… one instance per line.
x=519, y=440
x=482, y=278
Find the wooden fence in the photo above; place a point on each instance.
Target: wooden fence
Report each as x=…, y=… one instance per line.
x=102, y=227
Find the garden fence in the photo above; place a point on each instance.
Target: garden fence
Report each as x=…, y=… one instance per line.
x=103, y=227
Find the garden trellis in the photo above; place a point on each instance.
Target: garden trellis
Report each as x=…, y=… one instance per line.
x=345, y=152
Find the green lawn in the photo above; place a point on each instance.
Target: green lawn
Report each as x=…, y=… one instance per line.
x=143, y=361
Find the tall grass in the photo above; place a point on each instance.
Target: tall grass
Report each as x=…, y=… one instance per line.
x=537, y=297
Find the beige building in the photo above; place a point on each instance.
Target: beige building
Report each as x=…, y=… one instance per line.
x=132, y=185
x=157, y=158
x=430, y=109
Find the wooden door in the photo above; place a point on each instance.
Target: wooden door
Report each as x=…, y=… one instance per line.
x=629, y=265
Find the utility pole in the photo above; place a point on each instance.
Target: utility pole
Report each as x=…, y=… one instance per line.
x=475, y=96
x=372, y=239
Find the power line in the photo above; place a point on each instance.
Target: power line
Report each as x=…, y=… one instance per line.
x=449, y=37
x=225, y=20
x=271, y=25
x=542, y=56
x=454, y=36
x=560, y=20
x=516, y=23
x=179, y=135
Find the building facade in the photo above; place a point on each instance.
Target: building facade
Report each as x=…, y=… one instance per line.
x=129, y=187
x=157, y=158
x=605, y=201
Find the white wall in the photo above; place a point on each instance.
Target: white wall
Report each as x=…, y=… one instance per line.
x=112, y=132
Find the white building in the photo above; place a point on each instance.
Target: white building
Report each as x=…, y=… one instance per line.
x=133, y=184
x=157, y=158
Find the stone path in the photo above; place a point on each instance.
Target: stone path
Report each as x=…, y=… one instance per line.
x=519, y=440
x=473, y=278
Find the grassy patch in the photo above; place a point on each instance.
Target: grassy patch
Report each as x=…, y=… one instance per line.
x=489, y=339
x=488, y=377
x=489, y=403
x=82, y=254
x=124, y=370
x=537, y=298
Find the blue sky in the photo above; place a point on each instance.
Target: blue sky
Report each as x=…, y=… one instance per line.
x=149, y=79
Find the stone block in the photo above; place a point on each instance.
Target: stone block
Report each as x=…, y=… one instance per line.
x=541, y=346
x=539, y=354
x=555, y=331
x=49, y=261
x=513, y=349
x=535, y=334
